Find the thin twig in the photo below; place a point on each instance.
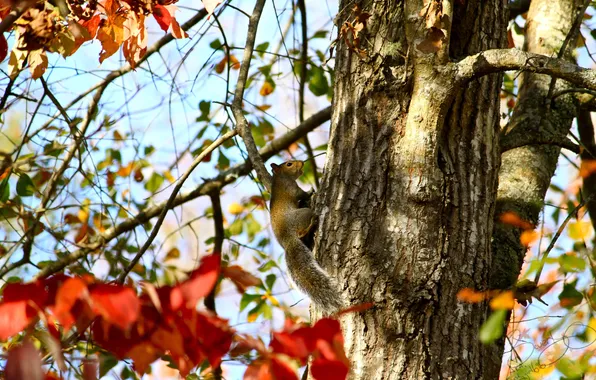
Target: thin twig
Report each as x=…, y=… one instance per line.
x=217, y=183
x=241, y=123
x=218, y=221
x=572, y=35
x=170, y=201
x=301, y=89
x=556, y=237
x=127, y=68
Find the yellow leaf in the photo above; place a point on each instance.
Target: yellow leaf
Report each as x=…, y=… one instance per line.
x=541, y=371
x=38, y=63
x=173, y=253
x=169, y=176
x=16, y=60
x=235, y=208
x=580, y=230
x=591, y=331
x=83, y=215
x=503, y=301
x=272, y=299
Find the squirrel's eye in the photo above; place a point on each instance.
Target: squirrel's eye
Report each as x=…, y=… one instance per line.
x=288, y=164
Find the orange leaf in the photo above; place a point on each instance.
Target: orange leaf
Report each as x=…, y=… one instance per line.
x=266, y=89
x=514, y=220
x=13, y=318
x=503, y=301
x=471, y=296
x=177, y=31
x=528, y=237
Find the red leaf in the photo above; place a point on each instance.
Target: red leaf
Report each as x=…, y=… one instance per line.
x=258, y=370
x=322, y=369
x=117, y=304
x=13, y=318
x=291, y=344
x=162, y=16
x=241, y=278
x=3, y=47
x=24, y=362
x=200, y=283
x=357, y=308
x=68, y=294
x=90, y=367
x=282, y=369
x=34, y=292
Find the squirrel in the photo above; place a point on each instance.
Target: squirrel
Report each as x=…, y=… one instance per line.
x=291, y=223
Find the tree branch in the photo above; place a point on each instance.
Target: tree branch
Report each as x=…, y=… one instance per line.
x=171, y=200
x=498, y=60
x=215, y=184
x=241, y=123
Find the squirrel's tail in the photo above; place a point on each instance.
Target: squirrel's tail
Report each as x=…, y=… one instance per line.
x=311, y=278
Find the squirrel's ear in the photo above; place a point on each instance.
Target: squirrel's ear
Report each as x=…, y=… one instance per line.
x=274, y=167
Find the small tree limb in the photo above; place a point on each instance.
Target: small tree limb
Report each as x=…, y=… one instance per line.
x=499, y=60
x=241, y=123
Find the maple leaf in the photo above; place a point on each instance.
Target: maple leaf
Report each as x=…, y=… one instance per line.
x=117, y=304
x=241, y=278
x=69, y=293
x=162, y=16
x=199, y=284
x=13, y=318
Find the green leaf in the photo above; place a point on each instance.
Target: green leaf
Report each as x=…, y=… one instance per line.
x=318, y=83
x=262, y=48
x=215, y=44
x=53, y=149
x=319, y=34
x=571, y=369
x=236, y=227
x=25, y=187
x=570, y=296
x=492, y=329
x=247, y=299
x=106, y=363
x=154, y=182
x=270, y=281
x=205, y=108
x=571, y=263
x=4, y=190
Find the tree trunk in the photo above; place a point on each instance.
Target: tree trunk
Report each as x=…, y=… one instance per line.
x=407, y=200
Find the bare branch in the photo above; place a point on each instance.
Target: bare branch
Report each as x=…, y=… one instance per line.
x=498, y=60
x=207, y=187
x=241, y=123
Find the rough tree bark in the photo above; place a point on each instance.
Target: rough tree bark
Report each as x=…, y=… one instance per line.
x=409, y=192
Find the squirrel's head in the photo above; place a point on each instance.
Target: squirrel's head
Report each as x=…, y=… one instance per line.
x=289, y=168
